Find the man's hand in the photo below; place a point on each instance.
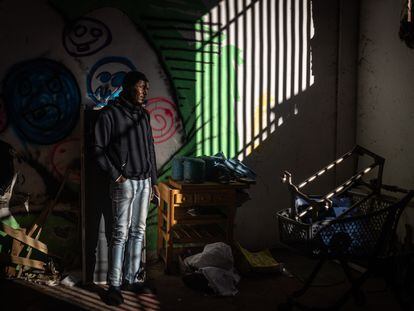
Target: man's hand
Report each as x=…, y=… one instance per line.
x=121, y=179
x=155, y=195
x=155, y=191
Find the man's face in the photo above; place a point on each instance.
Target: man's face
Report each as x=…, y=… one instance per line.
x=139, y=92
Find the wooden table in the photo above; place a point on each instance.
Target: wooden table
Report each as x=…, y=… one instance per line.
x=192, y=215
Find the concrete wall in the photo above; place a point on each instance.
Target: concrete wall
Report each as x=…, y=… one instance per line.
x=385, y=120
x=322, y=130
x=385, y=91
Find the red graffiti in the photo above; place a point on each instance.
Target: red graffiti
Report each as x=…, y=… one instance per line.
x=66, y=154
x=165, y=120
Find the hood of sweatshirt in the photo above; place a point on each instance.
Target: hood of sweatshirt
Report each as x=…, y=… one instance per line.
x=134, y=111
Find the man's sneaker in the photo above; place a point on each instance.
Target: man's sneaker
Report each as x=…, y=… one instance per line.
x=114, y=296
x=138, y=288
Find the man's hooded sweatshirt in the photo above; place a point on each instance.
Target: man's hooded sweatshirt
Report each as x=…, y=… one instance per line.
x=123, y=141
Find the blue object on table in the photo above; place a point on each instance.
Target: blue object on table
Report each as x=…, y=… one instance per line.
x=194, y=170
x=177, y=172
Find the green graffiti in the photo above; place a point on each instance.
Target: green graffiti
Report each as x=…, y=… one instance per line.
x=218, y=95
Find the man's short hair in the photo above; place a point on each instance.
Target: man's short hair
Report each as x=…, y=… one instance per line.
x=132, y=78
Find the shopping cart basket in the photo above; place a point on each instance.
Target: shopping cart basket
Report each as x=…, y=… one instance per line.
x=361, y=232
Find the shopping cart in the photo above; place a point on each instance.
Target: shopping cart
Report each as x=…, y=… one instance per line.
x=356, y=222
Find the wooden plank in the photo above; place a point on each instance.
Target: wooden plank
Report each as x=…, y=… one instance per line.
x=21, y=237
x=37, y=264
x=164, y=191
x=11, y=270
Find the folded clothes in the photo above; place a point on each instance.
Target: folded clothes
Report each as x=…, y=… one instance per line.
x=216, y=168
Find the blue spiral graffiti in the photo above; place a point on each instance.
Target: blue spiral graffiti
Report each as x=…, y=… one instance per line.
x=43, y=100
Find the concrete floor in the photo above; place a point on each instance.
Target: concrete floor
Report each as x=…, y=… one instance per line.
x=260, y=292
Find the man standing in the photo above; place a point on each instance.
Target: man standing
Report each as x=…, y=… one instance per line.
x=125, y=150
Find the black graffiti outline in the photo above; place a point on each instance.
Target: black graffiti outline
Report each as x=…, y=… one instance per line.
x=70, y=28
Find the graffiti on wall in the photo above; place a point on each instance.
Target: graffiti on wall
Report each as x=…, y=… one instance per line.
x=64, y=155
x=43, y=103
x=42, y=99
x=86, y=36
x=165, y=121
x=105, y=78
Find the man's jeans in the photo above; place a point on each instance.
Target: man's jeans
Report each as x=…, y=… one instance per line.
x=130, y=201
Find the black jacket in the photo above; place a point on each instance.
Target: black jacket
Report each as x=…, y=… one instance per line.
x=123, y=142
